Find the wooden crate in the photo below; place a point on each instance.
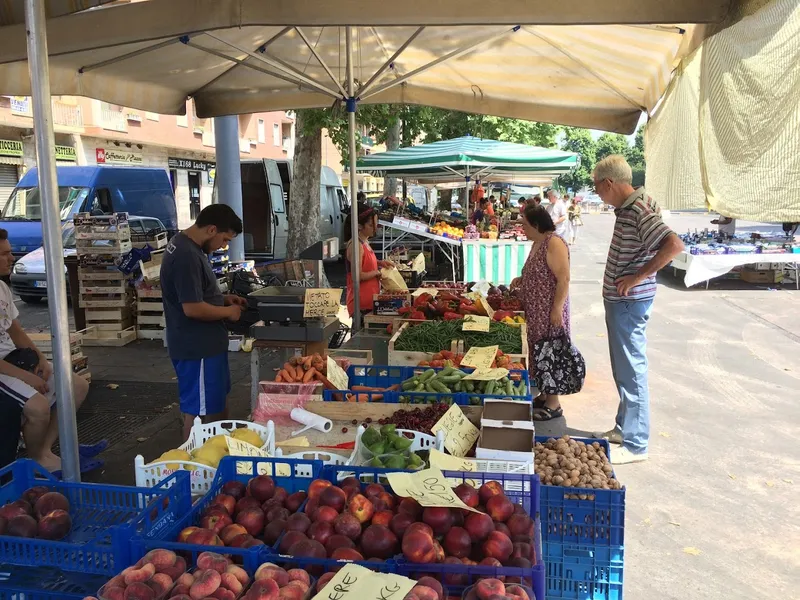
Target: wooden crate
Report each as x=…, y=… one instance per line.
x=110, y=319
x=97, y=337
x=354, y=355
x=98, y=287
x=116, y=301
x=377, y=322
x=151, y=334
x=156, y=241
x=150, y=322
x=100, y=274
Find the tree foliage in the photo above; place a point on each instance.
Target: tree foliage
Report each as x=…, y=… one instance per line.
x=581, y=141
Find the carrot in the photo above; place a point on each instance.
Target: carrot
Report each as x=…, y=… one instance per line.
x=284, y=374
x=288, y=366
x=366, y=388
x=324, y=381
x=309, y=375
x=351, y=398
x=292, y=361
x=393, y=388
x=299, y=373
x=278, y=378
x=307, y=361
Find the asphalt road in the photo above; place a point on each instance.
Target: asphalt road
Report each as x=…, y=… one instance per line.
x=713, y=514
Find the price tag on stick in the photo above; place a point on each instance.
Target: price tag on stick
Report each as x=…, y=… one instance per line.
x=459, y=433
x=321, y=302
x=480, y=358
x=428, y=487
x=337, y=376
x=476, y=323
x=354, y=582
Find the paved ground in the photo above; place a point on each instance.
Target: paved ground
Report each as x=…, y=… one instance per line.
x=713, y=514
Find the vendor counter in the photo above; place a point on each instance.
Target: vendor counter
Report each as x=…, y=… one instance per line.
x=498, y=261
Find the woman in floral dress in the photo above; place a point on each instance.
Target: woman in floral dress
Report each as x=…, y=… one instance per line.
x=545, y=294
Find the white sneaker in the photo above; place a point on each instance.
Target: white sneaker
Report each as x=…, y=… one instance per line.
x=623, y=456
x=614, y=436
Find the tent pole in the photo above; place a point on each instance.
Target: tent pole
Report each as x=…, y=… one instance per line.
x=38, y=64
x=229, y=173
x=355, y=264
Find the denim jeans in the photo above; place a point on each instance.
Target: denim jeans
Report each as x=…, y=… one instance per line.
x=627, y=344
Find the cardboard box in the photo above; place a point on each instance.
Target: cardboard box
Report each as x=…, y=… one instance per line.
x=762, y=276
x=390, y=304
x=507, y=431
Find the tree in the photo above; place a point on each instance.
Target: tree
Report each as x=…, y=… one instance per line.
x=611, y=143
x=303, y=210
x=635, y=156
x=579, y=140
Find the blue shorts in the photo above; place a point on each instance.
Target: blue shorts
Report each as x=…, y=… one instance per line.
x=203, y=385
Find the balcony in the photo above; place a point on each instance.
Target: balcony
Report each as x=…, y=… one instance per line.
x=288, y=146
x=112, y=118
x=67, y=115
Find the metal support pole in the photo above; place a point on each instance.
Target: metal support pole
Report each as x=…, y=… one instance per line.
x=355, y=265
x=229, y=175
x=51, y=234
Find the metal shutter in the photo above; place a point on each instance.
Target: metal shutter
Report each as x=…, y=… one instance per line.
x=8, y=180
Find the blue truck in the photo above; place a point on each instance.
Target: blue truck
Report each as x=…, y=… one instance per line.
x=98, y=190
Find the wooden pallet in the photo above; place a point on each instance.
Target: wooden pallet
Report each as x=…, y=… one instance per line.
x=96, y=337
x=102, y=233
x=114, y=248
x=117, y=301
x=151, y=334
x=98, y=287
x=156, y=242
x=100, y=274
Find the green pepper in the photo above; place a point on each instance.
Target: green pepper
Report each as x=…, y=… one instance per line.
x=389, y=428
x=402, y=443
x=376, y=462
x=371, y=436
x=395, y=461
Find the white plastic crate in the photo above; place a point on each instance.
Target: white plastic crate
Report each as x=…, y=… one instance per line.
x=202, y=476
x=420, y=441
x=327, y=458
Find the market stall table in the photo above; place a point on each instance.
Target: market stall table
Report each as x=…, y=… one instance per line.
x=449, y=246
x=497, y=261
x=704, y=267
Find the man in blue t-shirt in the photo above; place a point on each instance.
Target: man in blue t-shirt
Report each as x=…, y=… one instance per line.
x=195, y=311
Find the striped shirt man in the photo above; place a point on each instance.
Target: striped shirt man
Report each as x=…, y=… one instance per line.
x=638, y=234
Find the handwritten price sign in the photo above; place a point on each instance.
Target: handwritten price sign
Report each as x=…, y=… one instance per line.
x=480, y=358
x=476, y=323
x=428, y=487
x=447, y=462
x=321, y=302
x=337, y=376
x=355, y=581
x=487, y=374
x=240, y=448
x=459, y=433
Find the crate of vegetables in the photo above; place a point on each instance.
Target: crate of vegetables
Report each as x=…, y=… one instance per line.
x=426, y=385
x=247, y=506
x=386, y=446
x=84, y=527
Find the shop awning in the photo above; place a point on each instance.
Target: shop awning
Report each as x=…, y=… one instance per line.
x=526, y=60
x=469, y=157
x=12, y=12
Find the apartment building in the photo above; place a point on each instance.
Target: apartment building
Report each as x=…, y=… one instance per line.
x=91, y=132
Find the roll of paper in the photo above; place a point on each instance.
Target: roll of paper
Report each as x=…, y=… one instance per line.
x=310, y=420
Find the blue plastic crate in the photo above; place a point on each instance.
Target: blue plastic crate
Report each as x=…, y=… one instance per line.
x=583, y=516
x=238, y=468
x=584, y=572
x=520, y=489
x=382, y=376
x=104, y=519
x=341, y=396
x=29, y=583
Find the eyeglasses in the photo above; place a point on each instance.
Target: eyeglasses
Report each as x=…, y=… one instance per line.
x=597, y=183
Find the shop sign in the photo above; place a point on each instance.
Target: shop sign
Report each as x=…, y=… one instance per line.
x=105, y=156
x=20, y=105
x=10, y=148
x=190, y=164
x=66, y=153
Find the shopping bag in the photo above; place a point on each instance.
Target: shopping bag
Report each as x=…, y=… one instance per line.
x=392, y=281
x=560, y=368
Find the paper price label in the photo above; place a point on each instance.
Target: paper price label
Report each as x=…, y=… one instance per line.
x=486, y=374
x=480, y=357
x=459, y=433
x=240, y=448
x=476, y=323
x=337, y=376
x=356, y=582
x=484, y=303
x=419, y=291
x=321, y=302
x=418, y=264
x=428, y=487
x=448, y=462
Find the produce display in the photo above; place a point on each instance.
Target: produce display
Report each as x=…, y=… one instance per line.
x=418, y=419
x=445, y=306
x=450, y=380
x=153, y=576
x=385, y=448
x=572, y=463
x=445, y=358
x=446, y=230
x=304, y=369
x=504, y=298
x=492, y=589
x=39, y=513
x=271, y=581
x=427, y=588
x=431, y=335
x=212, y=451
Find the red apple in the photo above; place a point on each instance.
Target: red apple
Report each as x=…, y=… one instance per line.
x=235, y=489
x=361, y=508
x=226, y=501
x=489, y=489
x=262, y=488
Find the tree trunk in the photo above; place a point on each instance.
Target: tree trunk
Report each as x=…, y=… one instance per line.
x=445, y=201
x=392, y=143
x=304, y=215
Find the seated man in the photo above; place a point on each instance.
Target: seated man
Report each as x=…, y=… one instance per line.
x=33, y=390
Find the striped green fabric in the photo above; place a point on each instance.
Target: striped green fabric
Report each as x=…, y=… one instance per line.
x=497, y=262
x=468, y=156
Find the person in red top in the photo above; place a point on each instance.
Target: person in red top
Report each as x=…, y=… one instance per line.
x=370, y=266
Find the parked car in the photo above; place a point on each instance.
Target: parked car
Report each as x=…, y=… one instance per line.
x=97, y=190
x=29, y=278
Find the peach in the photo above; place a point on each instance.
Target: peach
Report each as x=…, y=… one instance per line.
x=55, y=525
x=334, y=497
x=289, y=539
x=240, y=540
x=249, y=543
x=186, y=579
x=424, y=527
x=323, y=581
x=411, y=507
x=311, y=506
x=321, y=531
x=500, y=508
x=419, y=547
x=22, y=526
x=252, y=519
x=378, y=541
x=223, y=594
x=400, y=522
x=337, y=541
x=204, y=537
x=16, y=508
x=266, y=589
x=440, y=554
x=423, y=592
x=374, y=489
x=325, y=513
x=468, y=495
x=245, y=503
x=291, y=592
x=116, y=593
x=299, y=575
x=478, y=525
x=225, y=501
x=161, y=559
x=518, y=592
x=308, y=549
x=389, y=501
x=298, y=522
x=274, y=572
x=216, y=521
x=486, y=588
x=520, y=524
x=49, y=502
x=230, y=582
x=31, y=495
x=239, y=573
x=262, y=488
x=433, y=584
x=276, y=513
x=231, y=531
x=140, y=575
x=315, y=488
x=492, y=562
x=139, y=591
x=457, y=542
x=383, y=517
x=350, y=482
x=280, y=495
x=489, y=489
x=185, y=533
x=301, y=585
x=273, y=531
x=347, y=554
x=205, y=583
x=235, y=489
x=502, y=528
x=455, y=578
x=361, y=508
x=497, y=545
x=211, y=561
x=347, y=524
x=160, y=583
x=295, y=501
x=438, y=518
x=180, y=592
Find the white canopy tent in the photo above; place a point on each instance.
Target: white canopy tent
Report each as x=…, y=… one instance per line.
x=596, y=65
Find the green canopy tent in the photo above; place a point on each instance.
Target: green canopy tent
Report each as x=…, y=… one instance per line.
x=469, y=159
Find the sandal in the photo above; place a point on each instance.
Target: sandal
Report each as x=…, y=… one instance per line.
x=547, y=414
x=539, y=401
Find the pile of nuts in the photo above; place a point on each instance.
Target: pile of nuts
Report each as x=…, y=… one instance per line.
x=570, y=463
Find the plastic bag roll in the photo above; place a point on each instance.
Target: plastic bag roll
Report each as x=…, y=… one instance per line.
x=311, y=420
